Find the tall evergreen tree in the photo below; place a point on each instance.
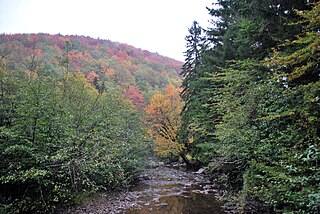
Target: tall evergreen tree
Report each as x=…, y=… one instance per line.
x=198, y=120
x=190, y=72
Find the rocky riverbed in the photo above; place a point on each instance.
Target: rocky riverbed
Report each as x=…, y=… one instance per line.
x=159, y=189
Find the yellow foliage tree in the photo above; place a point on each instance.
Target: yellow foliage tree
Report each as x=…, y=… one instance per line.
x=163, y=119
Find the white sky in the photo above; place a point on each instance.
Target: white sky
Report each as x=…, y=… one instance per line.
x=154, y=25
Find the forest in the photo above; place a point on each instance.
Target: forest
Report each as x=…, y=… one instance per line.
x=81, y=115
x=71, y=118
x=251, y=102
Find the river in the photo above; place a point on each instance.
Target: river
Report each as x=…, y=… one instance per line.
x=165, y=189
x=161, y=189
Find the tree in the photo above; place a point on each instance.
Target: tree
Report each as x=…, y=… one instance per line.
x=248, y=29
x=63, y=135
x=63, y=138
x=92, y=77
x=191, y=72
x=135, y=95
x=253, y=113
x=290, y=123
x=201, y=91
x=163, y=118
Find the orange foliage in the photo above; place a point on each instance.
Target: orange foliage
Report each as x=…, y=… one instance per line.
x=91, y=76
x=109, y=72
x=163, y=118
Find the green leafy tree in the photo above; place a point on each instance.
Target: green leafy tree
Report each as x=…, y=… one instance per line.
x=291, y=123
x=254, y=116
x=65, y=138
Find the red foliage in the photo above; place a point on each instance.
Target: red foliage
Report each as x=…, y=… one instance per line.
x=91, y=76
x=123, y=64
x=135, y=95
x=37, y=52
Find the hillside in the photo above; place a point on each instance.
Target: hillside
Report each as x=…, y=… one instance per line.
x=71, y=117
x=118, y=65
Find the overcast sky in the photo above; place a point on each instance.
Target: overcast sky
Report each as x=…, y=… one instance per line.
x=155, y=25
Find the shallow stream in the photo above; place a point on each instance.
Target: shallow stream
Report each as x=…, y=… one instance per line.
x=159, y=189
x=165, y=189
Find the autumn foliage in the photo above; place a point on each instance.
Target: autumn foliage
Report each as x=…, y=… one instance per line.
x=134, y=94
x=163, y=119
x=67, y=127
x=91, y=77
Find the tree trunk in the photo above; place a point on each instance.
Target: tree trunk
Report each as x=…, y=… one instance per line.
x=185, y=159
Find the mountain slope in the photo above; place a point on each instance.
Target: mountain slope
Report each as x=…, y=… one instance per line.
x=118, y=65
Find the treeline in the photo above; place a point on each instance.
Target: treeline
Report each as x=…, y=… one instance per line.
x=252, y=102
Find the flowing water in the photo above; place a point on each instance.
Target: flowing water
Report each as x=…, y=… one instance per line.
x=165, y=189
